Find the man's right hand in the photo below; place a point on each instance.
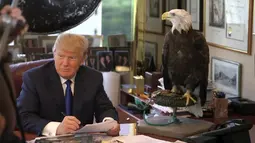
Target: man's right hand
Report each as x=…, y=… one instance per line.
x=68, y=125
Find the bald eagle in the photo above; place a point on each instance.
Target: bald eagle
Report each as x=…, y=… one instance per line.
x=185, y=57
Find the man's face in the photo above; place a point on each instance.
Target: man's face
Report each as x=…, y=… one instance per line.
x=67, y=63
x=107, y=58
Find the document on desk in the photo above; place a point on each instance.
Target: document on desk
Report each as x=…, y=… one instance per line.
x=139, y=139
x=97, y=127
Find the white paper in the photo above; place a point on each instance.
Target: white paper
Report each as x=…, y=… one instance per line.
x=139, y=139
x=97, y=127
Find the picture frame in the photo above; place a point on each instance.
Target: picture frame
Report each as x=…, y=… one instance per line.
x=102, y=61
x=117, y=40
x=122, y=58
x=154, y=10
x=95, y=40
x=47, y=42
x=195, y=8
x=150, y=51
x=92, y=51
x=170, y=4
x=230, y=29
x=92, y=61
x=226, y=76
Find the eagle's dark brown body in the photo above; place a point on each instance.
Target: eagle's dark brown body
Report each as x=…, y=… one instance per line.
x=186, y=61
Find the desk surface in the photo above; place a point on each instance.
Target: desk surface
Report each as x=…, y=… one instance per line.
x=125, y=129
x=129, y=129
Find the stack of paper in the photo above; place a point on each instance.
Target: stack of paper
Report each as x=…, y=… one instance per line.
x=97, y=127
x=139, y=139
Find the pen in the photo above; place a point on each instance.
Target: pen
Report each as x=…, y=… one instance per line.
x=65, y=115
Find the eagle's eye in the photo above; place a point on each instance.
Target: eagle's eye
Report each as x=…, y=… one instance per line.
x=173, y=14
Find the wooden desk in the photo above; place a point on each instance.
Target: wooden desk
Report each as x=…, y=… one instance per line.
x=127, y=117
x=125, y=129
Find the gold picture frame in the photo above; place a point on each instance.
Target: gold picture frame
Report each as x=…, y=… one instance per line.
x=228, y=24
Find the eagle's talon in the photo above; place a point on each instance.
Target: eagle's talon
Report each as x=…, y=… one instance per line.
x=188, y=96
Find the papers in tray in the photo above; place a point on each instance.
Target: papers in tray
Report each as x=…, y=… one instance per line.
x=97, y=127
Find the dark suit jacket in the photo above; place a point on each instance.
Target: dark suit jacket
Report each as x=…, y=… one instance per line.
x=42, y=98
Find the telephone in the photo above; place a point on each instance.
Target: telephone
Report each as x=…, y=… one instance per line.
x=231, y=131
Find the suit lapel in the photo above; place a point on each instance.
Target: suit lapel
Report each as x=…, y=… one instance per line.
x=56, y=89
x=80, y=89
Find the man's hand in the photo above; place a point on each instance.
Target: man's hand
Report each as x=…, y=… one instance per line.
x=17, y=15
x=115, y=130
x=2, y=124
x=68, y=125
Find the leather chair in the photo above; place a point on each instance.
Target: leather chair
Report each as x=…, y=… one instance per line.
x=18, y=69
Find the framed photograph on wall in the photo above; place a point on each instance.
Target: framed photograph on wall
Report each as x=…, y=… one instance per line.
x=228, y=24
x=154, y=10
x=117, y=40
x=170, y=4
x=195, y=8
x=226, y=76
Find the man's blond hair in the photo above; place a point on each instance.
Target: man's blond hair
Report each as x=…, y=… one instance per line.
x=71, y=42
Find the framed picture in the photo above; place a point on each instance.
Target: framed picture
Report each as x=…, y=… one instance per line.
x=92, y=51
x=95, y=40
x=226, y=75
x=117, y=40
x=105, y=61
x=92, y=62
x=154, y=10
x=228, y=24
x=170, y=4
x=122, y=58
x=195, y=8
x=47, y=42
x=150, y=50
x=217, y=13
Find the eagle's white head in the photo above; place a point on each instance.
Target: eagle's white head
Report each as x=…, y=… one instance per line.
x=180, y=19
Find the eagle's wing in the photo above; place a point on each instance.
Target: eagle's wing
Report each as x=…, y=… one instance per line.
x=165, y=52
x=202, y=46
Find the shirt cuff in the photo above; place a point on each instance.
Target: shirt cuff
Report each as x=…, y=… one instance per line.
x=50, y=129
x=107, y=118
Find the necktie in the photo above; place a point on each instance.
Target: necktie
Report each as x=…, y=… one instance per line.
x=68, y=98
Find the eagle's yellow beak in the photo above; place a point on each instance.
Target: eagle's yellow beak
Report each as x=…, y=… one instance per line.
x=165, y=15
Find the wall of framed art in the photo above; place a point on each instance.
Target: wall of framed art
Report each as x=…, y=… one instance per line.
x=154, y=10
x=227, y=24
x=226, y=76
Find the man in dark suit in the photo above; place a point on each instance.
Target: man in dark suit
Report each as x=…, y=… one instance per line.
x=58, y=97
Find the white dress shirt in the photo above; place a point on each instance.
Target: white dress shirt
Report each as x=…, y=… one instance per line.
x=51, y=128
